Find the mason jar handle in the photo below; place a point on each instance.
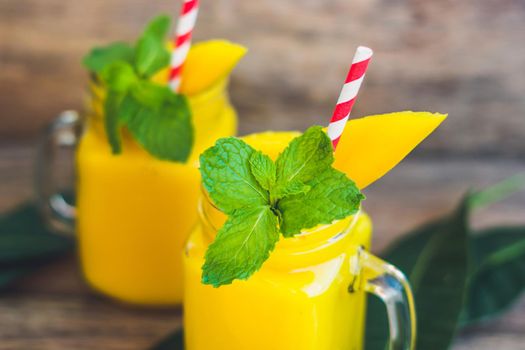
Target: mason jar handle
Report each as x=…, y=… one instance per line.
x=391, y=286
x=56, y=212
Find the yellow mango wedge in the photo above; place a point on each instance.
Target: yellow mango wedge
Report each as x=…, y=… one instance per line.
x=208, y=62
x=372, y=146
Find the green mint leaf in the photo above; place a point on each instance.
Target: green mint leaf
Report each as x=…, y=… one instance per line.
x=151, y=95
x=227, y=176
x=159, y=120
x=151, y=53
x=289, y=189
x=101, y=57
x=111, y=121
x=158, y=27
x=263, y=169
x=305, y=157
x=118, y=76
x=242, y=245
x=332, y=196
x=300, y=191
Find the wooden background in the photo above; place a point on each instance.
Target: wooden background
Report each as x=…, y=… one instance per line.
x=465, y=57
x=462, y=57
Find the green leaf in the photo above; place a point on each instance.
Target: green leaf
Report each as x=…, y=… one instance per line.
x=332, y=196
x=101, y=57
x=305, y=157
x=112, y=122
x=9, y=275
x=240, y=179
x=291, y=188
x=26, y=245
x=158, y=27
x=151, y=53
x=22, y=219
x=119, y=77
x=497, y=278
x=434, y=257
x=19, y=247
x=174, y=341
x=241, y=246
x=24, y=237
x=498, y=192
x=159, y=120
x=152, y=95
x=263, y=169
x=227, y=176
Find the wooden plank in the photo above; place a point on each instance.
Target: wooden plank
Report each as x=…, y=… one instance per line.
x=456, y=57
x=49, y=322
x=505, y=333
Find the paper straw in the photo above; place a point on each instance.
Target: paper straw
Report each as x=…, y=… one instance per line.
x=182, y=41
x=348, y=94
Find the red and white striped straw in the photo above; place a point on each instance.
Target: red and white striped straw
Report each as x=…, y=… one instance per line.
x=182, y=41
x=348, y=94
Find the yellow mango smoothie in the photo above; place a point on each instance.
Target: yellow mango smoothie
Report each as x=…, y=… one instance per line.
x=135, y=211
x=302, y=286
x=310, y=293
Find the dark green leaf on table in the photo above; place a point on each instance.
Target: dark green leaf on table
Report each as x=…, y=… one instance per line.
x=21, y=247
x=434, y=258
x=26, y=245
x=174, y=341
x=497, y=276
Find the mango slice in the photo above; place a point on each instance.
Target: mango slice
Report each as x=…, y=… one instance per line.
x=207, y=63
x=372, y=146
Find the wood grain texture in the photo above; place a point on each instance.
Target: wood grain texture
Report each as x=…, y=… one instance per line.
x=56, y=321
x=462, y=57
x=54, y=309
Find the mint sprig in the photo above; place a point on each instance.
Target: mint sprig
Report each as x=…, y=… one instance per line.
x=242, y=245
x=100, y=57
x=264, y=199
x=158, y=118
x=151, y=54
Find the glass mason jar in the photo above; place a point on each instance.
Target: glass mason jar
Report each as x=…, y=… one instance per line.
x=309, y=295
x=133, y=212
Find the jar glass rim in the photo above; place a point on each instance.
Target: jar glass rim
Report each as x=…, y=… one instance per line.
x=307, y=241
x=202, y=97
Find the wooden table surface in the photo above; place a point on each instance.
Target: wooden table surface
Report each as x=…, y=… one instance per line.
x=55, y=310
